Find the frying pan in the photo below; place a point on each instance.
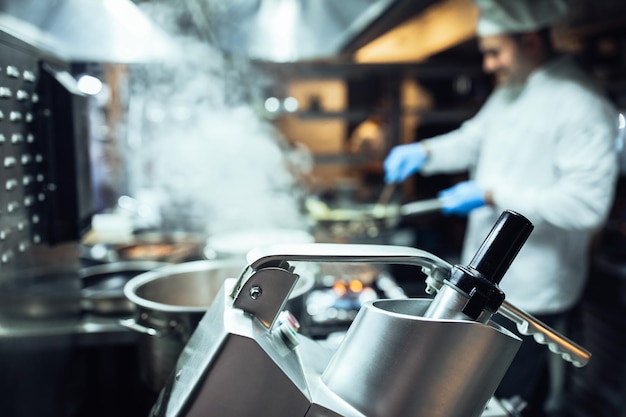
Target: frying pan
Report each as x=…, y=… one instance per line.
x=368, y=219
x=148, y=246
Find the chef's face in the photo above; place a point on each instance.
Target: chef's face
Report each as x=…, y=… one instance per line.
x=503, y=56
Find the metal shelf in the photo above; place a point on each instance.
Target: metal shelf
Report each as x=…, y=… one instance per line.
x=426, y=116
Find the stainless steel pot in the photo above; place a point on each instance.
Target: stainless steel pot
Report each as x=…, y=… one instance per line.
x=169, y=303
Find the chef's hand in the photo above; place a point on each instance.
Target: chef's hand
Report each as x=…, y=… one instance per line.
x=462, y=198
x=404, y=160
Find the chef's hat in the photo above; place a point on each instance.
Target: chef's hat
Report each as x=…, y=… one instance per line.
x=498, y=17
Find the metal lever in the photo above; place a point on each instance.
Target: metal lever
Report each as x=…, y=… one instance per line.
x=435, y=268
x=265, y=285
x=339, y=252
x=543, y=334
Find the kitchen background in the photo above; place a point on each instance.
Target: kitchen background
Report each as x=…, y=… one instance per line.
x=162, y=132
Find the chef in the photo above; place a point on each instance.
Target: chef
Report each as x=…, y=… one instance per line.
x=542, y=145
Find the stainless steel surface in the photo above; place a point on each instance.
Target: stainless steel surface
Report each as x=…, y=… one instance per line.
x=43, y=337
x=285, y=30
x=336, y=29
x=186, y=287
x=24, y=202
x=238, y=345
x=253, y=373
x=169, y=302
x=395, y=362
x=87, y=31
x=265, y=293
x=49, y=291
x=46, y=297
x=82, y=327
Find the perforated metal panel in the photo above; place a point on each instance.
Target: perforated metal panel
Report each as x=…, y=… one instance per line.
x=22, y=199
x=34, y=167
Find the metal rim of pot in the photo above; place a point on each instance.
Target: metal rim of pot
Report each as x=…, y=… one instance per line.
x=304, y=284
x=111, y=300
x=131, y=287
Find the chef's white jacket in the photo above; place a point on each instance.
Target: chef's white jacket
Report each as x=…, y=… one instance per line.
x=547, y=151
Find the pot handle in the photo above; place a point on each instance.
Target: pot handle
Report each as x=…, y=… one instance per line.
x=418, y=208
x=132, y=324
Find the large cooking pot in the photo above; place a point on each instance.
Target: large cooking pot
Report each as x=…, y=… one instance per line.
x=169, y=303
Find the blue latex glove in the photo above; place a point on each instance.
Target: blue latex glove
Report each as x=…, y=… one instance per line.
x=404, y=160
x=462, y=198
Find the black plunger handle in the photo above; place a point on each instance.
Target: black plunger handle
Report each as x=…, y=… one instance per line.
x=501, y=246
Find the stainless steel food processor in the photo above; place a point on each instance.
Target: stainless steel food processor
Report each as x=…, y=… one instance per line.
x=439, y=357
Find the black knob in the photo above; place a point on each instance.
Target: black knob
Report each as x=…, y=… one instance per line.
x=501, y=246
x=480, y=278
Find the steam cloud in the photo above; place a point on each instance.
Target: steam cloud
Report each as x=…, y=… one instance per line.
x=196, y=140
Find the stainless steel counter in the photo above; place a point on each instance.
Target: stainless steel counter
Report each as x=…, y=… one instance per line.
x=85, y=329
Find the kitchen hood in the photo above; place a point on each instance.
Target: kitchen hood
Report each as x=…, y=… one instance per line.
x=114, y=31
x=278, y=31
x=295, y=30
